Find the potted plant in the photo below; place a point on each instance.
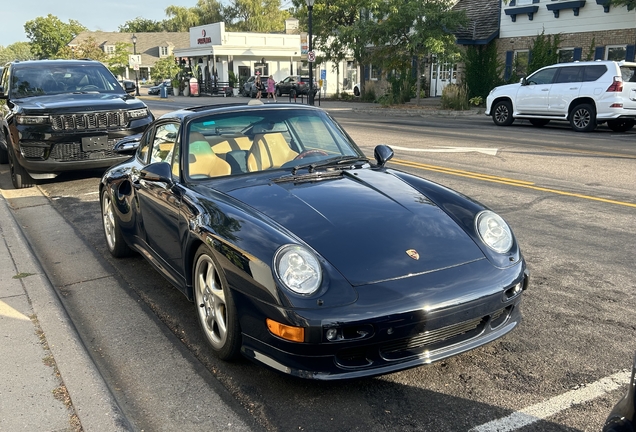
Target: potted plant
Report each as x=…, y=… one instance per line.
x=232, y=82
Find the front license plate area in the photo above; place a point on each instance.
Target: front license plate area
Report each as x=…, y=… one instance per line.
x=95, y=143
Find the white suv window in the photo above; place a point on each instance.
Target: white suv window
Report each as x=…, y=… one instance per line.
x=544, y=76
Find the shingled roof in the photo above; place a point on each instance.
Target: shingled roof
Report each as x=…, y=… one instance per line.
x=483, y=21
x=147, y=43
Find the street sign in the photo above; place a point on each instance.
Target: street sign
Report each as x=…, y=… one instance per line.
x=134, y=60
x=311, y=56
x=323, y=74
x=136, y=67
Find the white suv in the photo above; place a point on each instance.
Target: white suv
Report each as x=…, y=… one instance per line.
x=584, y=93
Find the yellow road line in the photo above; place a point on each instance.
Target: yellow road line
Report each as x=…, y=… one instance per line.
x=506, y=181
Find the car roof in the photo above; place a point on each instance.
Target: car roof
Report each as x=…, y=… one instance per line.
x=56, y=62
x=203, y=110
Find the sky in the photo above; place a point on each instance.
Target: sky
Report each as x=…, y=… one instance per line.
x=103, y=15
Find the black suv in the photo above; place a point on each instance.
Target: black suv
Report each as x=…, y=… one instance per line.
x=62, y=115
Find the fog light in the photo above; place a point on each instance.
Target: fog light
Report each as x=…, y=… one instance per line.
x=290, y=333
x=332, y=334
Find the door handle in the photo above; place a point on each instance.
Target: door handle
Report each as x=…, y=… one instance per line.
x=545, y=89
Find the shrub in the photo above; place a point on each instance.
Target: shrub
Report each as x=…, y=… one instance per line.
x=455, y=97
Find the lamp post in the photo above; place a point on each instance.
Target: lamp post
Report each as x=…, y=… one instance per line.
x=134, y=41
x=310, y=97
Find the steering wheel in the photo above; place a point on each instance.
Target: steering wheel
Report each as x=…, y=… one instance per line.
x=309, y=153
x=88, y=87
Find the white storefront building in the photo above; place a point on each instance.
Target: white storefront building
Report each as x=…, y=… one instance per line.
x=217, y=52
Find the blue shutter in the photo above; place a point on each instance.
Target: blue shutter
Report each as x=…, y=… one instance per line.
x=629, y=53
x=577, y=54
x=599, y=53
x=366, y=72
x=508, y=70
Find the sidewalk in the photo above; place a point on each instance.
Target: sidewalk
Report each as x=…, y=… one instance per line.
x=47, y=380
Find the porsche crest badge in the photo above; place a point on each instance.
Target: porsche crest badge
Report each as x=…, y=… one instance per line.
x=413, y=254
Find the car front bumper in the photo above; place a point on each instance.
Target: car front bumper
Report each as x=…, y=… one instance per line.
x=382, y=337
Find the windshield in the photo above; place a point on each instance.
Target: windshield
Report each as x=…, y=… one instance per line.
x=50, y=78
x=258, y=140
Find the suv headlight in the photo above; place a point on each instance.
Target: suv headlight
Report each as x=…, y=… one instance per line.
x=298, y=269
x=138, y=113
x=31, y=120
x=493, y=231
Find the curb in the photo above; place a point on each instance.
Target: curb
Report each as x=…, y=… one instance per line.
x=90, y=397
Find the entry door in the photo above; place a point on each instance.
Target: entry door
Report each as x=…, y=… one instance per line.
x=442, y=74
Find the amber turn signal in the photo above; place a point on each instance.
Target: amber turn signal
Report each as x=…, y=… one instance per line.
x=294, y=334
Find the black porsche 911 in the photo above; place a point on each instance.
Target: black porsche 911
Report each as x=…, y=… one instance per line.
x=302, y=254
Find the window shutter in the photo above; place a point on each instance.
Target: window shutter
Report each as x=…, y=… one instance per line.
x=577, y=54
x=366, y=72
x=629, y=53
x=599, y=53
x=508, y=70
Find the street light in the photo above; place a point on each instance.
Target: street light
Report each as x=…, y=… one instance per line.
x=134, y=41
x=310, y=7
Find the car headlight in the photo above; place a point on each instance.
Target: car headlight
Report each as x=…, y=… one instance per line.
x=298, y=269
x=138, y=113
x=32, y=120
x=494, y=231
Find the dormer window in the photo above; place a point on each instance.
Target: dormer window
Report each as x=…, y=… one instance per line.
x=109, y=49
x=163, y=51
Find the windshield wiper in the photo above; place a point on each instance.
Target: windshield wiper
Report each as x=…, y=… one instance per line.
x=338, y=161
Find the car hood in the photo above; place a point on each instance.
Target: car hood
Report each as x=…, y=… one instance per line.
x=508, y=88
x=71, y=102
x=366, y=223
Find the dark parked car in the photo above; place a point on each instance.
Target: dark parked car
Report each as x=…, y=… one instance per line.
x=155, y=90
x=63, y=115
x=300, y=253
x=623, y=416
x=295, y=85
x=249, y=88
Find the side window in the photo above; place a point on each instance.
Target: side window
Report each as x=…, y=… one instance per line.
x=163, y=142
x=569, y=74
x=144, y=147
x=594, y=72
x=544, y=76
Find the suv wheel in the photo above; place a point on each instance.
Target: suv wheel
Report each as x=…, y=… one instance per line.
x=278, y=92
x=620, y=125
x=4, y=155
x=19, y=176
x=583, y=118
x=539, y=122
x=502, y=113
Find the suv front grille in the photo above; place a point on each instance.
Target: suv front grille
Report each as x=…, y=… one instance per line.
x=71, y=152
x=90, y=121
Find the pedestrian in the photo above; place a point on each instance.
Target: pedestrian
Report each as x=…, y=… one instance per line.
x=259, y=86
x=271, y=88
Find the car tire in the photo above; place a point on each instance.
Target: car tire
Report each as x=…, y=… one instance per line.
x=356, y=91
x=539, y=122
x=278, y=92
x=20, y=178
x=215, y=306
x=112, y=232
x=4, y=154
x=620, y=125
x=583, y=118
x=502, y=113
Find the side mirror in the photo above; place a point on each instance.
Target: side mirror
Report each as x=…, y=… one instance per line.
x=523, y=81
x=382, y=153
x=157, y=172
x=127, y=145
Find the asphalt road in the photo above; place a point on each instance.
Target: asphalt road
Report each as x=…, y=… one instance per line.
x=570, y=200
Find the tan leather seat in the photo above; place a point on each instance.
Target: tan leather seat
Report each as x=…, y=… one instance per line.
x=269, y=150
x=202, y=160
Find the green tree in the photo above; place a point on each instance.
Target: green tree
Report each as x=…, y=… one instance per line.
x=142, y=25
x=545, y=51
x=209, y=11
x=483, y=69
x=166, y=67
x=48, y=35
x=631, y=4
x=88, y=48
x=261, y=16
x=16, y=51
x=118, y=60
x=181, y=18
